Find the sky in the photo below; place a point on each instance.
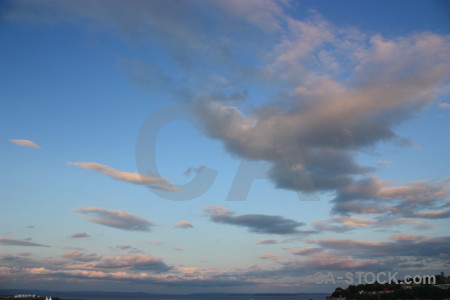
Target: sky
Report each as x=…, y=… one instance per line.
x=222, y=146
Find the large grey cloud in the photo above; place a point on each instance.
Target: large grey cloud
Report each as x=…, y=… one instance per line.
x=330, y=120
x=256, y=222
x=313, y=135
x=330, y=93
x=115, y=218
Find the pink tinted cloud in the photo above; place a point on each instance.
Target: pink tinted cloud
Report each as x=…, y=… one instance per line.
x=407, y=237
x=270, y=256
x=184, y=224
x=25, y=143
x=136, y=178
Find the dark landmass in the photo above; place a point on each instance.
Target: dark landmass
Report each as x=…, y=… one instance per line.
x=395, y=291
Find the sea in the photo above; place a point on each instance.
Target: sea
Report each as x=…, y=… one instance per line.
x=143, y=296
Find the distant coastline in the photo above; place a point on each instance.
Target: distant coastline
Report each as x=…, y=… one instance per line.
x=99, y=295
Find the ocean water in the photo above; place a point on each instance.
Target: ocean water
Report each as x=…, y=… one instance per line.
x=196, y=297
x=193, y=297
x=139, y=296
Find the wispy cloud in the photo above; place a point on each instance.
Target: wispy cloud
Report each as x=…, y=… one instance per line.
x=444, y=105
x=413, y=199
x=14, y=242
x=267, y=242
x=326, y=261
x=80, y=257
x=402, y=246
x=136, y=261
x=133, y=261
x=191, y=170
x=343, y=223
x=115, y=218
x=255, y=222
x=408, y=237
x=124, y=247
x=136, y=178
x=270, y=256
x=436, y=214
x=184, y=224
x=25, y=143
x=347, y=223
x=79, y=235
x=306, y=251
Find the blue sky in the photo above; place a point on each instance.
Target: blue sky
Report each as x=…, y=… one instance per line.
x=316, y=133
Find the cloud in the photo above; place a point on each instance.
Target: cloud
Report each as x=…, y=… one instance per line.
x=79, y=235
x=326, y=261
x=408, y=237
x=268, y=242
x=184, y=224
x=390, y=222
x=191, y=170
x=136, y=178
x=14, y=242
x=328, y=119
x=25, y=143
x=329, y=94
x=344, y=223
x=438, y=214
x=138, y=262
x=124, y=247
x=115, y=218
x=254, y=222
x=403, y=245
x=444, y=105
x=80, y=257
x=147, y=75
x=142, y=269
x=384, y=163
x=181, y=28
x=339, y=92
x=375, y=196
x=306, y=251
x=270, y=256
x=135, y=261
